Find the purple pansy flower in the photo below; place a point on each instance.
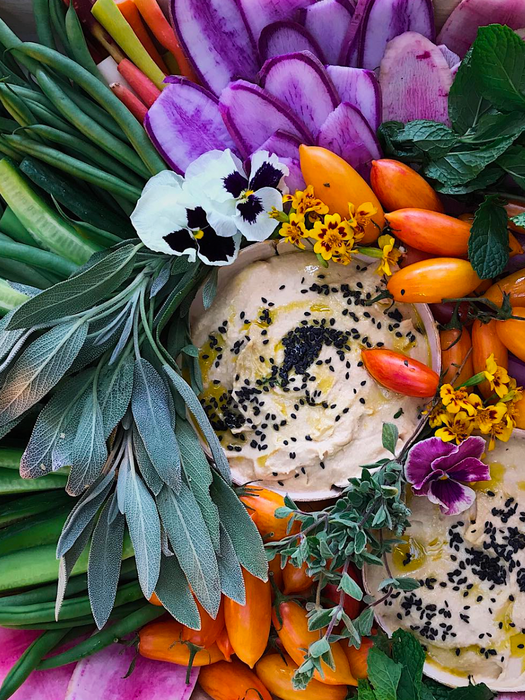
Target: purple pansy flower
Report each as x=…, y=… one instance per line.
x=436, y=469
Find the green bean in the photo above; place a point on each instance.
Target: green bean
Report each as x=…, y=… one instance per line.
x=103, y=95
x=11, y=226
x=74, y=167
x=11, y=482
x=7, y=72
x=88, y=126
x=49, y=118
x=30, y=94
x=8, y=125
x=16, y=107
x=38, y=258
x=30, y=660
x=32, y=532
x=116, y=614
x=20, y=272
x=104, y=638
x=57, y=13
x=78, y=44
x=43, y=23
x=10, y=41
x=10, y=457
x=8, y=151
x=92, y=109
x=25, y=506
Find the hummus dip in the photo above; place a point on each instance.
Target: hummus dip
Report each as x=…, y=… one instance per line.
x=284, y=385
x=470, y=610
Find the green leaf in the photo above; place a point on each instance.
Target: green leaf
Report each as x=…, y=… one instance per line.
x=68, y=561
x=88, y=451
x=232, y=582
x=318, y=648
x=465, y=102
x=498, y=61
x=384, y=674
x=190, y=350
x=144, y=463
x=513, y=162
x=8, y=339
x=472, y=692
x=407, y=651
x=360, y=542
x=488, y=245
x=364, y=690
x=350, y=587
x=365, y=621
x=105, y=556
x=519, y=220
x=114, y=393
x=406, y=584
x=209, y=290
x=433, y=138
x=77, y=293
x=175, y=594
x=488, y=176
x=39, y=368
x=494, y=125
x=390, y=437
x=191, y=542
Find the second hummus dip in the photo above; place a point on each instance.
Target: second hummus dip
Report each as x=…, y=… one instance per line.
x=284, y=384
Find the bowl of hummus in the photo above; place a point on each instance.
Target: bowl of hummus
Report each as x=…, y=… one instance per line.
x=469, y=612
x=285, y=388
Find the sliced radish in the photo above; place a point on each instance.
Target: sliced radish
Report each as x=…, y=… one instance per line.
x=302, y=83
x=260, y=13
x=286, y=37
x=328, y=22
x=185, y=122
x=283, y=145
x=359, y=87
x=295, y=180
x=252, y=115
x=348, y=55
x=415, y=80
x=450, y=57
x=346, y=132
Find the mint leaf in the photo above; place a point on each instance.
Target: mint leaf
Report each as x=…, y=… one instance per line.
x=465, y=103
x=488, y=246
x=390, y=437
x=486, y=177
x=384, y=674
x=434, y=690
x=433, y=138
x=495, y=125
x=519, y=220
x=408, y=651
x=513, y=162
x=364, y=690
x=472, y=692
x=498, y=58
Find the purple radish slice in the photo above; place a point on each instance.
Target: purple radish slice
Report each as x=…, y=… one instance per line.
x=184, y=122
x=252, y=115
x=286, y=37
x=386, y=19
x=216, y=41
x=328, y=22
x=517, y=371
x=360, y=88
x=260, y=13
x=415, y=80
x=302, y=83
x=346, y=132
x=348, y=55
x=282, y=144
x=461, y=27
x=295, y=180
x=450, y=57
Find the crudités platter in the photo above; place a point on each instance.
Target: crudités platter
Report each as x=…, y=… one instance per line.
x=262, y=349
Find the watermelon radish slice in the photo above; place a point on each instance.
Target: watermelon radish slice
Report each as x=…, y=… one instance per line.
x=184, y=122
x=347, y=133
x=328, y=22
x=216, y=41
x=282, y=144
x=415, y=80
x=252, y=115
x=302, y=83
x=260, y=13
x=286, y=37
x=450, y=57
x=295, y=180
x=360, y=88
x=348, y=54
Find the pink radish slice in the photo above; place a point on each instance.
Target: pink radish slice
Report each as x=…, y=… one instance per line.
x=348, y=54
x=346, y=132
x=252, y=115
x=302, y=83
x=41, y=685
x=216, y=40
x=185, y=122
x=286, y=37
x=461, y=28
x=386, y=19
x=450, y=57
x=415, y=80
x=260, y=13
x=328, y=22
x=282, y=144
x=359, y=87
x=102, y=676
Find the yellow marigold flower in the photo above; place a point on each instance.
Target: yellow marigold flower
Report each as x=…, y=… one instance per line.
x=456, y=400
x=436, y=417
x=360, y=217
x=458, y=427
x=295, y=231
x=497, y=377
x=487, y=417
x=501, y=431
x=333, y=237
x=304, y=201
x=390, y=255
x=475, y=401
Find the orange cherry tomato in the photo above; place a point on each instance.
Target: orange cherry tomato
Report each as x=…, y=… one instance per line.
x=162, y=641
x=351, y=606
x=291, y=625
x=155, y=600
x=232, y=681
x=398, y=186
x=512, y=332
x=210, y=628
x=400, y=373
x=277, y=672
x=277, y=573
x=224, y=644
x=513, y=284
x=430, y=231
x=515, y=247
x=519, y=414
x=455, y=346
x=358, y=658
x=431, y=281
x=485, y=342
x=262, y=504
x=513, y=208
x=413, y=255
x=295, y=579
x=248, y=625
x=337, y=184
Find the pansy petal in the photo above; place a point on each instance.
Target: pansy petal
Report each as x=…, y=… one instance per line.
x=223, y=222
x=474, y=446
x=452, y=497
x=470, y=469
x=159, y=212
x=210, y=171
x=421, y=456
x=261, y=226
x=422, y=488
x=266, y=170
x=166, y=178
x=218, y=250
x=181, y=243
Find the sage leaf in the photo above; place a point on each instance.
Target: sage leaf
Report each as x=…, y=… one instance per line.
x=230, y=572
x=488, y=245
x=144, y=528
x=8, y=339
x=384, y=674
x=147, y=470
x=126, y=332
x=200, y=416
x=114, y=394
x=122, y=484
x=67, y=564
x=175, y=594
x=513, y=162
x=151, y=411
x=390, y=437
x=209, y=290
x=191, y=279
x=241, y=529
x=88, y=451
x=191, y=542
x=161, y=280
x=105, y=556
x=39, y=368
x=77, y=293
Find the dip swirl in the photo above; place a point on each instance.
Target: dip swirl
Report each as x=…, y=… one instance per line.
x=284, y=384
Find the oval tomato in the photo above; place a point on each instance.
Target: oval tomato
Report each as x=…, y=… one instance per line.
x=515, y=207
x=513, y=284
x=512, y=332
x=358, y=658
x=430, y=231
x=456, y=345
x=262, y=504
x=400, y=373
x=277, y=673
x=295, y=579
x=209, y=630
x=276, y=572
x=232, y=681
x=485, y=342
x=224, y=644
x=162, y=641
x=431, y=281
x=398, y=186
